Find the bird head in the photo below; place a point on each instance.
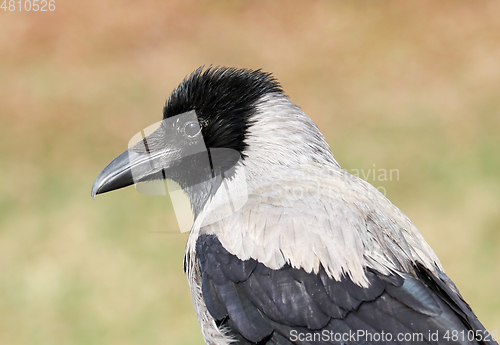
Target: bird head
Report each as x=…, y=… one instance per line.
x=236, y=115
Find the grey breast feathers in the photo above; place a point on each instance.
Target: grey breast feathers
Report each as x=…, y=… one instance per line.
x=332, y=219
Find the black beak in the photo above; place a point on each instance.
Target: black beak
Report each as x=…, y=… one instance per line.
x=169, y=152
x=118, y=173
x=132, y=167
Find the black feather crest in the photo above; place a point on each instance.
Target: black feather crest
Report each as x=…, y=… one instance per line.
x=224, y=99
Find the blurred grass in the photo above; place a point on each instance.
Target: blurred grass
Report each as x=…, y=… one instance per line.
x=412, y=86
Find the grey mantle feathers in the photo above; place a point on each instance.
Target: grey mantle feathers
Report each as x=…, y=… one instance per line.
x=313, y=250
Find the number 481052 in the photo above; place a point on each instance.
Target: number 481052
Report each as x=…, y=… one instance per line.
x=28, y=5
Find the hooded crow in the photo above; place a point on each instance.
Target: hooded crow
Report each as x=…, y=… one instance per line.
x=312, y=254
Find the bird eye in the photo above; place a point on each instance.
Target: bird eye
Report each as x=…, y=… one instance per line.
x=192, y=129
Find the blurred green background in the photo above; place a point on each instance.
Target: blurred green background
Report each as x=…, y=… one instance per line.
x=413, y=86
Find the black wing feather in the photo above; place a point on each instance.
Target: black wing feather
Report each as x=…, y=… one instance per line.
x=259, y=305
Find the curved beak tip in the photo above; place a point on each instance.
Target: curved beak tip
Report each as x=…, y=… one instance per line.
x=95, y=188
